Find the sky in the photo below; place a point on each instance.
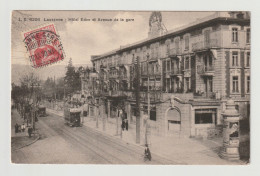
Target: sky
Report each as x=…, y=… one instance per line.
x=81, y=39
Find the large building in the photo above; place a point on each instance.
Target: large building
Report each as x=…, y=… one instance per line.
x=191, y=72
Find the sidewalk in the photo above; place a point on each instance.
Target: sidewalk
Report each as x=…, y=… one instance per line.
x=175, y=148
x=21, y=139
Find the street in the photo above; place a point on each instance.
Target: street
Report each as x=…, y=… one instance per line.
x=61, y=144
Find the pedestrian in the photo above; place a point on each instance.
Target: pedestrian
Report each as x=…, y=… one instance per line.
x=16, y=128
x=123, y=124
x=147, y=153
x=30, y=131
x=23, y=127
x=126, y=124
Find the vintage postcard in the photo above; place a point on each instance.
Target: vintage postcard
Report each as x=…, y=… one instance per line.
x=130, y=87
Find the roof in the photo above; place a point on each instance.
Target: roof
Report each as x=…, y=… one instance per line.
x=218, y=16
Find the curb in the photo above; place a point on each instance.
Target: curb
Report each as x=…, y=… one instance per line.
x=38, y=137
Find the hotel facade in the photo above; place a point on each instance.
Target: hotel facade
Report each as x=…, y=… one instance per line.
x=191, y=73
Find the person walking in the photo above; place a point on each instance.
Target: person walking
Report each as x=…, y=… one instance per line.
x=123, y=124
x=126, y=124
x=23, y=127
x=147, y=153
x=30, y=131
x=16, y=128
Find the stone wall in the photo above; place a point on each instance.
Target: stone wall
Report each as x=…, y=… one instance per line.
x=162, y=120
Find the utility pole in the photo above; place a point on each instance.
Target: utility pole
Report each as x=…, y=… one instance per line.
x=33, y=108
x=34, y=104
x=137, y=91
x=54, y=88
x=148, y=99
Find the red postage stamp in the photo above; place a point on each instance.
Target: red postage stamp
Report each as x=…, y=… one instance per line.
x=44, y=46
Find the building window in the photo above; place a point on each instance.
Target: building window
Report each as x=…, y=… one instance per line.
x=177, y=44
x=234, y=35
x=187, y=63
x=210, y=84
x=248, y=59
x=167, y=43
x=207, y=37
x=248, y=35
x=235, y=84
x=153, y=115
x=186, y=39
x=187, y=84
x=235, y=59
x=168, y=65
x=248, y=84
x=205, y=116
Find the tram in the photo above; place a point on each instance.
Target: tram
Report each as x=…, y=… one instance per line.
x=72, y=116
x=42, y=111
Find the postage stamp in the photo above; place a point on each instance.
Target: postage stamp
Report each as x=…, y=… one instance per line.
x=44, y=46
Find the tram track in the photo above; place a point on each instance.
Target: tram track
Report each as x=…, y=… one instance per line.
x=85, y=143
x=89, y=143
x=112, y=151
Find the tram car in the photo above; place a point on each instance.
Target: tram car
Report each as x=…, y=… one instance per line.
x=72, y=116
x=42, y=111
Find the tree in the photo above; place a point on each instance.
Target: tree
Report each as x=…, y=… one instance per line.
x=28, y=81
x=72, y=79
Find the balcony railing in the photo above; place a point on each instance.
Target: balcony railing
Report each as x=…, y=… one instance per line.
x=206, y=95
x=154, y=96
x=152, y=72
x=176, y=72
x=116, y=93
x=96, y=92
x=123, y=76
x=205, y=70
x=120, y=62
x=205, y=45
x=144, y=73
x=174, y=51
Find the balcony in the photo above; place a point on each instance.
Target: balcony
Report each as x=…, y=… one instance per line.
x=144, y=73
x=176, y=72
x=174, y=52
x=116, y=93
x=213, y=43
x=206, y=95
x=103, y=66
x=113, y=76
x=155, y=96
x=96, y=93
x=153, y=73
x=123, y=76
x=154, y=57
x=120, y=63
x=204, y=70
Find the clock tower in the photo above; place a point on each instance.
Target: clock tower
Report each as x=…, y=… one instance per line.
x=156, y=27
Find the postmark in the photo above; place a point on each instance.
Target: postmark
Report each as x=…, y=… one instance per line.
x=43, y=46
